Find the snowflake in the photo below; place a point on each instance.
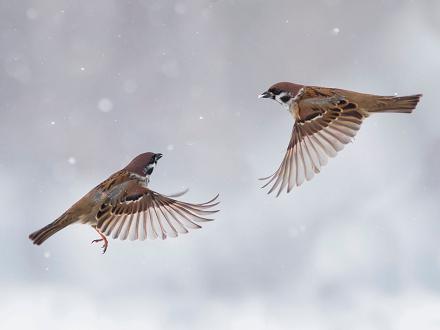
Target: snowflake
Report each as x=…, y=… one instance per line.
x=105, y=105
x=335, y=31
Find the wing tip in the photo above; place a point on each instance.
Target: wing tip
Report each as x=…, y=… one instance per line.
x=178, y=194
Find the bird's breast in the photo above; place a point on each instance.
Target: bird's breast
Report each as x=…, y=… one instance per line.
x=295, y=111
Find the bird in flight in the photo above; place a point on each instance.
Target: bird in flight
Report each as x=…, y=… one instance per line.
x=124, y=207
x=325, y=119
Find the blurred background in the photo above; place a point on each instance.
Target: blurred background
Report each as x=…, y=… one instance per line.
x=87, y=85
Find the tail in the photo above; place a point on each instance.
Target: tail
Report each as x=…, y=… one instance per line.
x=400, y=104
x=44, y=233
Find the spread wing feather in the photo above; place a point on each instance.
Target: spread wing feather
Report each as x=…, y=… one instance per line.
x=333, y=122
x=144, y=214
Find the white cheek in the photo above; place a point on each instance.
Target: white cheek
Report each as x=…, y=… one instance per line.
x=149, y=168
x=278, y=99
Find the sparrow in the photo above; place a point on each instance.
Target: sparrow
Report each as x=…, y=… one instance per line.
x=124, y=207
x=325, y=119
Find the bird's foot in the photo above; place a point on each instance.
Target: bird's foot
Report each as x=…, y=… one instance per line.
x=104, y=246
x=104, y=239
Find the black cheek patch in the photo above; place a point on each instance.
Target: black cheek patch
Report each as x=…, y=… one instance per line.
x=148, y=171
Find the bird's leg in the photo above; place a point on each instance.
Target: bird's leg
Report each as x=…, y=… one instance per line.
x=103, y=238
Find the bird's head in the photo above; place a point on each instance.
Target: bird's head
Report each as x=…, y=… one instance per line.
x=282, y=92
x=143, y=164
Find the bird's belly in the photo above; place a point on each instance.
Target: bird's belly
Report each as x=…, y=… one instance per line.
x=88, y=219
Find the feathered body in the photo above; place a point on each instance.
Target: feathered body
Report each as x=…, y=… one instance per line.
x=325, y=119
x=123, y=206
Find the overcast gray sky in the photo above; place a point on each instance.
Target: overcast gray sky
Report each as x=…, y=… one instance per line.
x=87, y=85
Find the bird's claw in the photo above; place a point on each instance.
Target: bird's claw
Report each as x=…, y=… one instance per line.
x=104, y=246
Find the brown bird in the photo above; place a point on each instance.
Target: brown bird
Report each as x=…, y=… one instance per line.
x=324, y=120
x=123, y=206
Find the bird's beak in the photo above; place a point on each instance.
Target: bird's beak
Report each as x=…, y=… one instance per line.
x=158, y=156
x=264, y=95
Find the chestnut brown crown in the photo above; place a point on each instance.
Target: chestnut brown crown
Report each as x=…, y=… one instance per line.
x=284, y=86
x=140, y=163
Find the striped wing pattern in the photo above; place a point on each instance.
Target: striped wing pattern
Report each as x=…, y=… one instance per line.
x=312, y=142
x=144, y=214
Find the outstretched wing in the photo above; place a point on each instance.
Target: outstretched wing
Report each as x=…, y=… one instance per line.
x=144, y=214
x=324, y=125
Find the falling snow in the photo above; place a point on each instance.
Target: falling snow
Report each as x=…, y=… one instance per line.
x=335, y=31
x=105, y=105
x=123, y=77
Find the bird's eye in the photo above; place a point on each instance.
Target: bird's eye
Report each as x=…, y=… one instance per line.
x=285, y=98
x=274, y=91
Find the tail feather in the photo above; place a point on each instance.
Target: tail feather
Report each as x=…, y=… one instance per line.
x=400, y=104
x=44, y=233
